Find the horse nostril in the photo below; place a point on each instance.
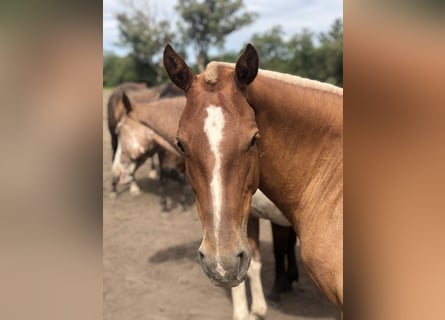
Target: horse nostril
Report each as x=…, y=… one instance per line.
x=241, y=255
x=242, y=260
x=201, y=256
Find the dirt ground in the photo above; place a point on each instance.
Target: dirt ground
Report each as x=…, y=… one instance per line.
x=150, y=267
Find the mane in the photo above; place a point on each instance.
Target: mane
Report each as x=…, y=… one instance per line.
x=211, y=76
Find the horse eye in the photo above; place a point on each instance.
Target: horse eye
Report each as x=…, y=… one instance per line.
x=180, y=146
x=253, y=141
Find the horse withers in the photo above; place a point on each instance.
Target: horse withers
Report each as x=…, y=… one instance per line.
x=242, y=128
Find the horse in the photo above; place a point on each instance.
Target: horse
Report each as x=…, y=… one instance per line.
x=160, y=128
x=138, y=142
x=114, y=114
x=244, y=128
x=135, y=92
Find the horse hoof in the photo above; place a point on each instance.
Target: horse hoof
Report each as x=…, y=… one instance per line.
x=253, y=316
x=165, y=215
x=152, y=174
x=135, y=191
x=113, y=195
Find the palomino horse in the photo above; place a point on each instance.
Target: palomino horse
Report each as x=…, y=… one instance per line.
x=137, y=92
x=157, y=131
x=243, y=128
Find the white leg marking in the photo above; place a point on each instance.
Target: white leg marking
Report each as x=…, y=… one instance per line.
x=116, y=167
x=239, y=301
x=213, y=127
x=152, y=173
x=134, y=188
x=125, y=171
x=259, y=305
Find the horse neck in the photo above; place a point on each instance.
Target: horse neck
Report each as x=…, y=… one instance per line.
x=161, y=116
x=300, y=148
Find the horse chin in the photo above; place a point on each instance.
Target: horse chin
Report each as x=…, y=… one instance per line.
x=227, y=283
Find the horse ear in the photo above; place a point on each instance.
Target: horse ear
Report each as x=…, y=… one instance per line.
x=178, y=71
x=127, y=103
x=247, y=66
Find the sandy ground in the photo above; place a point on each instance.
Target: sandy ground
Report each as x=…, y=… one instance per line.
x=150, y=268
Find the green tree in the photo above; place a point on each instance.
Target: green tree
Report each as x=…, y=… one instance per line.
x=302, y=50
x=302, y=54
x=330, y=54
x=146, y=36
x=272, y=49
x=206, y=23
x=117, y=70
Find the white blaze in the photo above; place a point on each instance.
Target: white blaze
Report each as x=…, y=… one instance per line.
x=213, y=127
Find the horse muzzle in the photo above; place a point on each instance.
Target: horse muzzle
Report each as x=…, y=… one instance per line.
x=227, y=270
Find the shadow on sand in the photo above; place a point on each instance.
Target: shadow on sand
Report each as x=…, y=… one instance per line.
x=305, y=300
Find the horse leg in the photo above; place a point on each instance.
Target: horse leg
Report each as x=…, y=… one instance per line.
x=239, y=298
x=152, y=173
x=163, y=190
x=162, y=180
x=239, y=302
x=114, y=182
x=292, y=269
x=134, y=188
x=259, y=305
x=183, y=197
x=280, y=241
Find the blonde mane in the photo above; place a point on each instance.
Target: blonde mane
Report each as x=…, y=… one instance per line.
x=211, y=76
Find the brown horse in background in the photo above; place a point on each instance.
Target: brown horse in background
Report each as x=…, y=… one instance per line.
x=242, y=128
x=136, y=92
x=138, y=142
x=114, y=113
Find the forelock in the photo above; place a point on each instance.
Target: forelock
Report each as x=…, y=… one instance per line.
x=211, y=72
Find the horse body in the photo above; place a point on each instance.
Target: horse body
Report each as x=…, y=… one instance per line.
x=297, y=154
x=303, y=126
x=263, y=208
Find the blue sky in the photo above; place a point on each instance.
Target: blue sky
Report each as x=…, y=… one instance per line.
x=292, y=15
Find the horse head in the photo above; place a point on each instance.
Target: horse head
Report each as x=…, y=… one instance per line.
x=136, y=143
x=217, y=133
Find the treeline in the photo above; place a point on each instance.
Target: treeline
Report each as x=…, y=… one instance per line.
x=315, y=56
x=306, y=54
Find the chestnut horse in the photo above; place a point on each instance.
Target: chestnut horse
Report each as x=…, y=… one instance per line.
x=244, y=128
x=151, y=127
